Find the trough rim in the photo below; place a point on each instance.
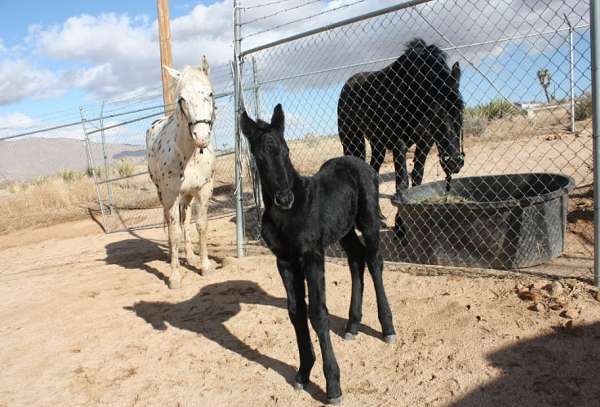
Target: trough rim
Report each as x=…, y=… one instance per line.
x=482, y=205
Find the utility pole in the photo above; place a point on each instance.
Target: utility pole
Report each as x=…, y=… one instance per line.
x=166, y=58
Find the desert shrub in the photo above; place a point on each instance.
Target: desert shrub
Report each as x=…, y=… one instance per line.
x=124, y=168
x=495, y=109
x=474, y=125
x=583, y=107
x=67, y=175
x=93, y=171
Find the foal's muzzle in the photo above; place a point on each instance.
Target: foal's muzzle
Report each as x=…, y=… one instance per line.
x=284, y=199
x=452, y=164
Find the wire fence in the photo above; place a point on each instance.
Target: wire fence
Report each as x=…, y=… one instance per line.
x=93, y=161
x=518, y=101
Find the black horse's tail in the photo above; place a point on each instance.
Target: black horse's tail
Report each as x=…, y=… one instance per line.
x=350, y=134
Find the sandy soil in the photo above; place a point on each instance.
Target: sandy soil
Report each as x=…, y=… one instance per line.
x=88, y=320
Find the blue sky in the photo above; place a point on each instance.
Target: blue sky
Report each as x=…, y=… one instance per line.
x=16, y=20
x=57, y=56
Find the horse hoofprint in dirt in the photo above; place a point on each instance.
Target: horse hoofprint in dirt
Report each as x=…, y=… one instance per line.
x=181, y=163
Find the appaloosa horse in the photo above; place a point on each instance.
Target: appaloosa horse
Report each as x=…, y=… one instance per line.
x=304, y=215
x=181, y=162
x=414, y=100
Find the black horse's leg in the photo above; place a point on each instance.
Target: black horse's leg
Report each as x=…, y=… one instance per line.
x=293, y=281
x=401, y=173
x=314, y=270
x=353, y=141
x=355, y=251
x=377, y=157
x=421, y=152
x=375, y=264
x=377, y=154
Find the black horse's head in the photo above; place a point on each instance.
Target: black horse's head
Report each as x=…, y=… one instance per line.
x=449, y=126
x=272, y=157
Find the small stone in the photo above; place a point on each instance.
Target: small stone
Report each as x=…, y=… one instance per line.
x=570, y=313
x=556, y=304
x=556, y=289
x=539, y=307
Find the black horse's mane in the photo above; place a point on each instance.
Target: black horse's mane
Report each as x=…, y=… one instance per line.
x=417, y=46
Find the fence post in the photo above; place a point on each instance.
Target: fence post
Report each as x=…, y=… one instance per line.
x=105, y=159
x=255, y=176
x=571, y=74
x=90, y=161
x=237, y=100
x=595, y=45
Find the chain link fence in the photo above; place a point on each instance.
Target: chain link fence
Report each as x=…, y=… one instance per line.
x=517, y=102
x=93, y=162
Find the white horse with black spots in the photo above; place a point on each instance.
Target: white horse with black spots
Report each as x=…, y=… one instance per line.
x=181, y=161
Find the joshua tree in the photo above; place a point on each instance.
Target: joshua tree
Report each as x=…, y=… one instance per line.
x=544, y=77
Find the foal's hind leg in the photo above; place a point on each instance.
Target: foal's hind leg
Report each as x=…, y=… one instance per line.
x=355, y=251
x=375, y=264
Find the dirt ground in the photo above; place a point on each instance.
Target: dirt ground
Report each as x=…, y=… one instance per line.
x=88, y=320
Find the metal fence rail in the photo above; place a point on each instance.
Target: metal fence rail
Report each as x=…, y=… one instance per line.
x=525, y=83
x=94, y=161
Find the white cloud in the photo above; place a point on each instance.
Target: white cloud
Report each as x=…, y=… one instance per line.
x=16, y=120
x=20, y=80
x=119, y=54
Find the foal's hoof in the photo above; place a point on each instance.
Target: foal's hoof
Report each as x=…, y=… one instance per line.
x=334, y=401
x=348, y=336
x=389, y=338
x=299, y=386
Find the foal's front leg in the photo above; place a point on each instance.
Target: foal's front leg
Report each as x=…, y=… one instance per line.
x=293, y=281
x=314, y=270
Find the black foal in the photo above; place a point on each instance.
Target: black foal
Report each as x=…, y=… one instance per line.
x=304, y=215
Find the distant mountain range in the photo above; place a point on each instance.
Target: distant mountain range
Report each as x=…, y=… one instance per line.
x=24, y=159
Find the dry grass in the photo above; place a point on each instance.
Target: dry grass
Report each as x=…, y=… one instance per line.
x=44, y=203
x=70, y=195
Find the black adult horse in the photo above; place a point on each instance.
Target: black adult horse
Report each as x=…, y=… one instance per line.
x=414, y=100
x=304, y=215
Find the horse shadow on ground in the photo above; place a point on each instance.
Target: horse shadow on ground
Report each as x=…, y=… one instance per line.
x=560, y=369
x=207, y=312
x=137, y=253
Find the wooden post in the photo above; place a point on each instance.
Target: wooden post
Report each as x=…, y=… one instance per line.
x=166, y=58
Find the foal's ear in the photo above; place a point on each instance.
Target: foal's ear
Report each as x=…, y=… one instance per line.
x=204, y=65
x=278, y=118
x=456, y=72
x=248, y=125
x=174, y=73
